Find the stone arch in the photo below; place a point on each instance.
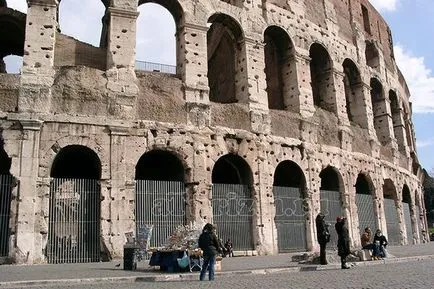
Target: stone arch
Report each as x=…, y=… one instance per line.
x=232, y=169
x=76, y=161
x=322, y=80
x=390, y=199
x=5, y=160
x=353, y=86
x=372, y=55
x=408, y=212
x=160, y=165
x=170, y=16
x=6, y=185
x=12, y=36
x=366, y=209
x=279, y=66
x=380, y=110
x=226, y=60
x=291, y=206
x=397, y=119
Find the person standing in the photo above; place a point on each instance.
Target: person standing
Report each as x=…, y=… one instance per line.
x=323, y=235
x=343, y=241
x=210, y=246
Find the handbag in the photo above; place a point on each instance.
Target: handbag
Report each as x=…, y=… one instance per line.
x=184, y=261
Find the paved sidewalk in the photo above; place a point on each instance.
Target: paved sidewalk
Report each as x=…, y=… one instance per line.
x=24, y=275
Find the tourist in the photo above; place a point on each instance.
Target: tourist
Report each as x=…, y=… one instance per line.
x=323, y=235
x=343, y=241
x=210, y=246
x=381, y=241
x=368, y=245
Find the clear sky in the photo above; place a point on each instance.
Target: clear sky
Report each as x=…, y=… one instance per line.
x=411, y=22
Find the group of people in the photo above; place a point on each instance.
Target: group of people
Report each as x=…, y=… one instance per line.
x=377, y=246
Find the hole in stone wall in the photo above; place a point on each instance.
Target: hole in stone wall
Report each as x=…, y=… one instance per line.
x=232, y=169
x=353, y=88
x=77, y=162
x=289, y=174
x=321, y=73
x=5, y=160
x=329, y=179
x=160, y=165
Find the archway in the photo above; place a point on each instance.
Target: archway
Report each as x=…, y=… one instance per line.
x=160, y=194
x=321, y=73
x=279, y=63
x=330, y=197
x=391, y=213
x=379, y=110
x=226, y=60
x=365, y=203
x=372, y=55
x=232, y=201
x=74, y=217
x=398, y=121
x=407, y=210
x=290, y=219
x=353, y=92
x=157, y=49
x=6, y=182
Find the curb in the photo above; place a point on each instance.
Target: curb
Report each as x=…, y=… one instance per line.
x=194, y=276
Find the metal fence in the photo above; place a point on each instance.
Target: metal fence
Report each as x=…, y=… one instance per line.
x=162, y=204
x=155, y=67
x=5, y=207
x=330, y=202
x=365, y=212
x=232, y=207
x=392, y=223
x=289, y=219
x=74, y=221
x=407, y=219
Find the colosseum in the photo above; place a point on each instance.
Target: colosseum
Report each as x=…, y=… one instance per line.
x=276, y=110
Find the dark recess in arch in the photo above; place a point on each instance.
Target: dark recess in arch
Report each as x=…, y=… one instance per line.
x=289, y=174
x=5, y=160
x=78, y=162
x=159, y=165
x=329, y=179
x=231, y=169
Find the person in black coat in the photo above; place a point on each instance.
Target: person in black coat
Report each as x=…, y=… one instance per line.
x=210, y=246
x=381, y=241
x=323, y=236
x=343, y=241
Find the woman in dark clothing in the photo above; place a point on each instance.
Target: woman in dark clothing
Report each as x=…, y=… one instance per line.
x=323, y=235
x=210, y=246
x=381, y=241
x=343, y=241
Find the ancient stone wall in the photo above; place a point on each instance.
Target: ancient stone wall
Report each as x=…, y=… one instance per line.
x=121, y=114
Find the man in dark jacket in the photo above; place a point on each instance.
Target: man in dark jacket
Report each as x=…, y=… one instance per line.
x=323, y=235
x=210, y=246
x=343, y=241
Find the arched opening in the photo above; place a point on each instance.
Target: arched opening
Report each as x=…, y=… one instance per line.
x=77, y=43
x=160, y=194
x=398, y=125
x=391, y=212
x=407, y=210
x=372, y=55
x=365, y=203
x=232, y=202
x=5, y=198
x=379, y=110
x=157, y=49
x=330, y=197
x=74, y=216
x=12, y=36
x=290, y=219
x=226, y=60
x=321, y=73
x=353, y=92
x=279, y=63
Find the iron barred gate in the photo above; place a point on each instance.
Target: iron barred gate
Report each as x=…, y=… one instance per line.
x=365, y=212
x=5, y=208
x=232, y=207
x=392, y=223
x=290, y=219
x=407, y=219
x=162, y=204
x=330, y=202
x=74, y=221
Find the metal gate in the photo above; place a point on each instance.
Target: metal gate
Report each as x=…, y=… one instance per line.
x=232, y=207
x=365, y=212
x=407, y=219
x=330, y=202
x=162, y=204
x=5, y=209
x=392, y=223
x=74, y=221
x=290, y=219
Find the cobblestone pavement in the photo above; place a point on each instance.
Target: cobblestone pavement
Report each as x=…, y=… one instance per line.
x=415, y=275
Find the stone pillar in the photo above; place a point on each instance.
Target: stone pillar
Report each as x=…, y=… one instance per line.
x=362, y=114
x=27, y=250
x=339, y=102
x=399, y=131
x=121, y=85
x=302, y=96
x=118, y=205
x=383, y=120
x=37, y=72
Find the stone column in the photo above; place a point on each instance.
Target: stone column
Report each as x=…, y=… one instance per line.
x=121, y=55
x=37, y=72
x=302, y=97
x=362, y=114
x=27, y=250
x=383, y=120
x=339, y=102
x=399, y=131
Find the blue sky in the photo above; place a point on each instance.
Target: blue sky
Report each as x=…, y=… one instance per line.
x=411, y=22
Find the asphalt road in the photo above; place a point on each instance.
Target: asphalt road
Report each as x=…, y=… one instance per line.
x=413, y=275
